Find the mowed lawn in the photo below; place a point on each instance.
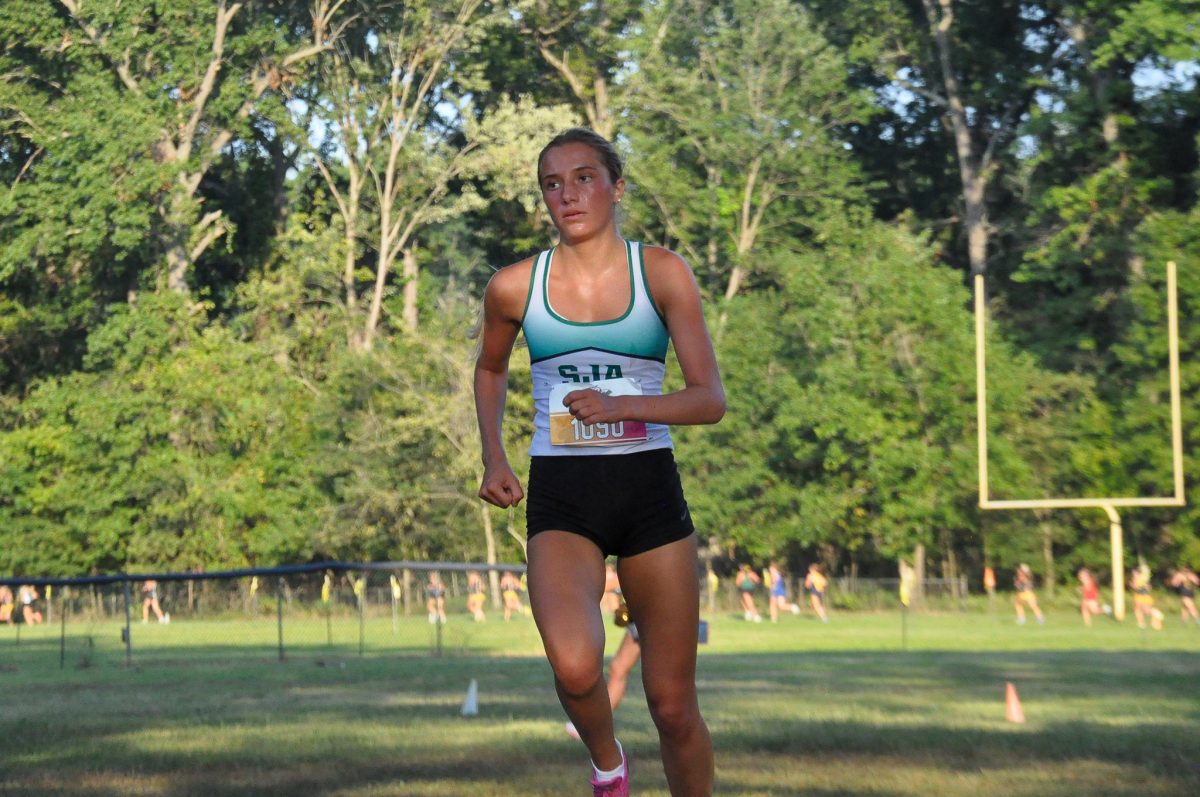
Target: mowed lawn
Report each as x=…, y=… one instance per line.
x=797, y=708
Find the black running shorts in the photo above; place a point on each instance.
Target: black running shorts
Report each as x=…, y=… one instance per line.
x=625, y=503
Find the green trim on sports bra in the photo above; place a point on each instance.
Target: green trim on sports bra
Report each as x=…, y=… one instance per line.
x=622, y=317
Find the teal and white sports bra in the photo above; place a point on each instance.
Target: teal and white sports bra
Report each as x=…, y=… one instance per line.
x=625, y=355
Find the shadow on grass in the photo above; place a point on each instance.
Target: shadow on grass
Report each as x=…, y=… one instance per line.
x=823, y=724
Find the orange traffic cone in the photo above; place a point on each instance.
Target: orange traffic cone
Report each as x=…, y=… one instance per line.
x=1012, y=704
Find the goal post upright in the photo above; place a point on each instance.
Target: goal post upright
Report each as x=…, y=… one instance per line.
x=1109, y=505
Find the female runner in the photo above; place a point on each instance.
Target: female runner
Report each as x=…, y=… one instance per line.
x=597, y=312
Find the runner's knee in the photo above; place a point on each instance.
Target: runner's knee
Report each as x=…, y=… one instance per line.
x=576, y=673
x=673, y=708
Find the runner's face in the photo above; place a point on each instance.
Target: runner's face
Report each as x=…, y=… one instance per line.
x=578, y=190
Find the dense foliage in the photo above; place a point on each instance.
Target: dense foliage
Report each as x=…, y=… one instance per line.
x=242, y=246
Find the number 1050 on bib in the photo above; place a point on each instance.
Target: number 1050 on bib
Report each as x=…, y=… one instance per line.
x=566, y=430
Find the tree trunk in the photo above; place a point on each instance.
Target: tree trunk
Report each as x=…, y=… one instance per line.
x=748, y=221
x=972, y=172
x=601, y=116
x=382, y=267
x=489, y=537
x=350, y=219
x=1100, y=81
x=951, y=573
x=409, y=265
x=1049, y=579
x=280, y=164
x=918, y=593
x=978, y=232
x=511, y=528
x=174, y=240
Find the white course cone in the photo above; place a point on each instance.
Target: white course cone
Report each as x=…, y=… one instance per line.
x=470, y=706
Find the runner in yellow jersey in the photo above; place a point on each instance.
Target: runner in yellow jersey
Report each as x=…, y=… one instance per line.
x=816, y=583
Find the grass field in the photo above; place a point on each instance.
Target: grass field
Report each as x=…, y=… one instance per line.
x=795, y=709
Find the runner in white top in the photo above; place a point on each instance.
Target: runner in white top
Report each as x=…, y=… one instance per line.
x=627, y=354
x=595, y=306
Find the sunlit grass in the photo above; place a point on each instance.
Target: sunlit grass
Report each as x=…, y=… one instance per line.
x=794, y=708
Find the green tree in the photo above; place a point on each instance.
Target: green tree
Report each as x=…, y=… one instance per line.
x=852, y=407
x=1144, y=422
x=116, y=118
x=1094, y=172
x=180, y=446
x=583, y=43
x=732, y=107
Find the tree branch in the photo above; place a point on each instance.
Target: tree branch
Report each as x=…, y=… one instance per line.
x=99, y=40
x=205, y=242
x=208, y=219
x=337, y=195
x=933, y=97
x=25, y=168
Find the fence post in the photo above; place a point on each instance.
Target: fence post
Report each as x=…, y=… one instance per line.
x=62, y=637
x=407, y=591
x=361, y=590
x=279, y=612
x=396, y=593
x=327, y=599
x=128, y=592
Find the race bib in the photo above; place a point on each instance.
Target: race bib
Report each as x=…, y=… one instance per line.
x=568, y=431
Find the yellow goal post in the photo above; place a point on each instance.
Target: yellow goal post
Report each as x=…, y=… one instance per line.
x=1109, y=505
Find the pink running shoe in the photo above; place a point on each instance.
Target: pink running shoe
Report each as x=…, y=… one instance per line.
x=617, y=787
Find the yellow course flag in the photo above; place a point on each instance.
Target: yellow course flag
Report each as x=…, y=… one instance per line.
x=359, y=586
x=326, y=588
x=254, y=585
x=396, y=592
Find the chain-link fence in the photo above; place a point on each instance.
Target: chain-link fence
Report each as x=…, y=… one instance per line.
x=321, y=610
x=850, y=594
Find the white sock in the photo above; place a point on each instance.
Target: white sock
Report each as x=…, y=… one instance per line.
x=602, y=776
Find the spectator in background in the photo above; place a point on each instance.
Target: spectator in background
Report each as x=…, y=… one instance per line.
x=27, y=594
x=816, y=583
x=6, y=604
x=1184, y=582
x=611, y=599
x=1089, y=595
x=476, y=595
x=1143, y=601
x=510, y=590
x=435, y=598
x=150, y=602
x=747, y=583
x=779, y=599
x=1023, y=586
